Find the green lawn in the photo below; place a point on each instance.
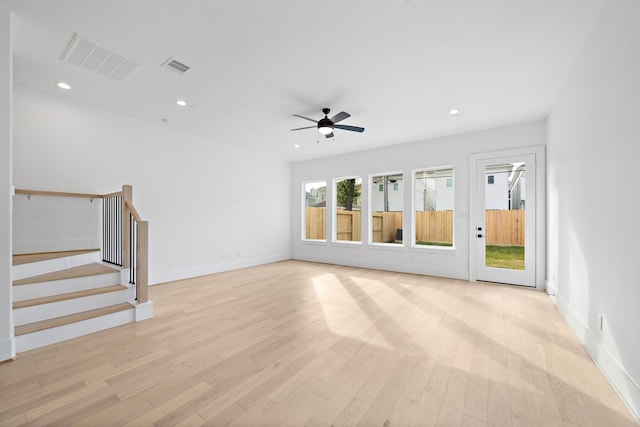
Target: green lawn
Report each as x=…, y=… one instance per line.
x=511, y=257
x=420, y=242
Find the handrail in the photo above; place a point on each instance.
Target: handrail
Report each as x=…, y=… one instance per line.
x=116, y=193
x=135, y=245
x=57, y=193
x=133, y=210
x=125, y=234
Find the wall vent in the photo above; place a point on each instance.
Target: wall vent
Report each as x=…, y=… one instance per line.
x=88, y=55
x=173, y=65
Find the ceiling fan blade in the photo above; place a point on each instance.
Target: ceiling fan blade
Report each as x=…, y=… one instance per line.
x=306, y=118
x=340, y=117
x=306, y=127
x=329, y=135
x=351, y=128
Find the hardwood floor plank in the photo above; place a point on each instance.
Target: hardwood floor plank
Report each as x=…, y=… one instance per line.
x=20, y=259
x=69, y=273
x=71, y=318
x=477, y=398
x=387, y=398
x=299, y=343
x=163, y=409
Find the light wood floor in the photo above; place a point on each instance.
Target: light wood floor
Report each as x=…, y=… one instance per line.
x=296, y=343
x=43, y=256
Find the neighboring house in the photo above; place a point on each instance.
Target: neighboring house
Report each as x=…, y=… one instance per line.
x=394, y=191
x=505, y=187
x=316, y=196
x=433, y=194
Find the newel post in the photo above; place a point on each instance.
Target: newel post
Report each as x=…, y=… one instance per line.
x=142, y=261
x=127, y=196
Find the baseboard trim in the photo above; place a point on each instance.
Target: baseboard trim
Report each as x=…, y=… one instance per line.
x=7, y=349
x=399, y=268
x=551, y=289
x=172, y=276
x=143, y=311
x=626, y=387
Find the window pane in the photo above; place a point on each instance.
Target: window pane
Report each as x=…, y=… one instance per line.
x=315, y=210
x=433, y=202
x=387, y=209
x=348, y=209
x=505, y=216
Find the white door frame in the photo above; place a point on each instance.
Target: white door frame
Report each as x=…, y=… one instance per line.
x=540, y=206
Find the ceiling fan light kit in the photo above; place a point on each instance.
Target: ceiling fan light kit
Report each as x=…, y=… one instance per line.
x=327, y=125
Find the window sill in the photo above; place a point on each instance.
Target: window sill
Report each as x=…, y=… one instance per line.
x=313, y=242
x=346, y=243
x=432, y=249
x=387, y=246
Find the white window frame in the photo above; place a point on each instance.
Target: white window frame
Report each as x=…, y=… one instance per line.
x=436, y=248
x=334, y=215
x=303, y=230
x=370, y=212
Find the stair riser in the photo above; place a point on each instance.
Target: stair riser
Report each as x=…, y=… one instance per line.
x=49, y=266
x=77, y=329
x=36, y=313
x=56, y=287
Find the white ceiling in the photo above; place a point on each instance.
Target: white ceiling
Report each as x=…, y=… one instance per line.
x=397, y=67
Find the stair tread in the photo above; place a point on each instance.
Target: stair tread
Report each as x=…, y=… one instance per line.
x=71, y=318
x=67, y=296
x=86, y=270
x=20, y=259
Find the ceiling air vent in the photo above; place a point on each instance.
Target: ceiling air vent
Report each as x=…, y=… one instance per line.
x=173, y=65
x=88, y=55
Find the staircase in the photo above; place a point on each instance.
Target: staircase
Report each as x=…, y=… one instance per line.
x=63, y=295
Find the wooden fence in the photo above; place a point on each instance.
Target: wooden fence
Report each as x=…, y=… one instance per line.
x=316, y=223
x=504, y=228
x=434, y=227
x=348, y=223
x=385, y=226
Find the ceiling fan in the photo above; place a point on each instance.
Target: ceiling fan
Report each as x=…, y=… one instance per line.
x=327, y=125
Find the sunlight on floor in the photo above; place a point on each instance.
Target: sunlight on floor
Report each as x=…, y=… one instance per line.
x=342, y=313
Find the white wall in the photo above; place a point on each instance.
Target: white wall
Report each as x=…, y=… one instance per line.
x=7, y=342
x=593, y=206
x=50, y=224
x=453, y=151
x=211, y=207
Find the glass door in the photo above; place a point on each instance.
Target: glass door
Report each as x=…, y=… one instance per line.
x=505, y=220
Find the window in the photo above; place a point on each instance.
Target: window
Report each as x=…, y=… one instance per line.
x=490, y=179
x=380, y=188
x=315, y=201
x=385, y=222
x=433, y=196
x=347, y=213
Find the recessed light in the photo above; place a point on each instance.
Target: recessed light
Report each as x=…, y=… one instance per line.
x=454, y=111
x=181, y=102
x=296, y=146
x=63, y=85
